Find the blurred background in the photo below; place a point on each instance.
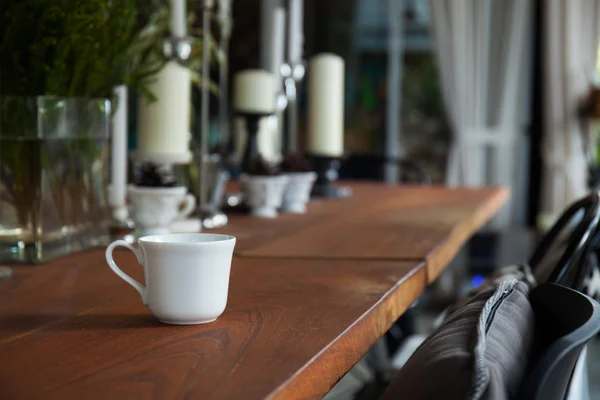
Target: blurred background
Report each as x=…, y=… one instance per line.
x=472, y=93
x=394, y=91
x=371, y=36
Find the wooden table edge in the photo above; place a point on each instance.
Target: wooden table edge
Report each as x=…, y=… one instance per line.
x=325, y=369
x=441, y=256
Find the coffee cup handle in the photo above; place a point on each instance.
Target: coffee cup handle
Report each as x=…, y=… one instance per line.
x=189, y=205
x=111, y=263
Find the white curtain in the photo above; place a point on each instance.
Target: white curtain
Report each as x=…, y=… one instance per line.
x=483, y=49
x=571, y=48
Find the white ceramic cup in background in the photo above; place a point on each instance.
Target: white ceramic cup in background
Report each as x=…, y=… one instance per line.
x=187, y=275
x=153, y=209
x=297, y=191
x=263, y=194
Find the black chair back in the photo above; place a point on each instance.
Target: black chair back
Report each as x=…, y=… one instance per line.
x=565, y=321
x=560, y=256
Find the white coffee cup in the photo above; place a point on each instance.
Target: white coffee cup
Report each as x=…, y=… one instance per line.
x=187, y=275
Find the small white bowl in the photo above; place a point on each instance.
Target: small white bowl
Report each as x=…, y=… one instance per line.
x=297, y=191
x=264, y=194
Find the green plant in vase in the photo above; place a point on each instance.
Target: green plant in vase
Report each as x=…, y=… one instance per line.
x=52, y=177
x=59, y=63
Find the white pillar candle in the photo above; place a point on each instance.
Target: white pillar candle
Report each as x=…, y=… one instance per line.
x=164, y=125
x=119, y=149
x=178, y=23
x=254, y=91
x=326, y=105
x=295, y=35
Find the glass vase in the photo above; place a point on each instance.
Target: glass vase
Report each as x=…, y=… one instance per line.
x=53, y=176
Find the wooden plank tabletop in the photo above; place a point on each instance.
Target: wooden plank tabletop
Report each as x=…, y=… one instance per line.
x=309, y=295
x=378, y=222
x=72, y=329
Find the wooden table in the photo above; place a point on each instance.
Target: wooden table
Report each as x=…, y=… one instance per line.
x=296, y=321
x=378, y=222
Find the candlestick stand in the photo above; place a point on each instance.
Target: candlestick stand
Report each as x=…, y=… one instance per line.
x=252, y=122
x=178, y=49
x=121, y=224
x=118, y=190
x=209, y=213
x=292, y=74
x=327, y=168
x=224, y=18
x=281, y=103
x=204, y=111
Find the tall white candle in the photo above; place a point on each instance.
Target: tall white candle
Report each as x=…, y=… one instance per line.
x=119, y=149
x=295, y=35
x=254, y=91
x=164, y=125
x=178, y=23
x=278, y=46
x=326, y=105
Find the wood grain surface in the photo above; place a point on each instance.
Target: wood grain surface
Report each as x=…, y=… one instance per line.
x=309, y=295
x=72, y=329
x=378, y=222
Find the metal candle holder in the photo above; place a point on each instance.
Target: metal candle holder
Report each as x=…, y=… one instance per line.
x=178, y=49
x=252, y=122
x=327, y=168
x=208, y=211
x=224, y=17
x=292, y=75
x=204, y=110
